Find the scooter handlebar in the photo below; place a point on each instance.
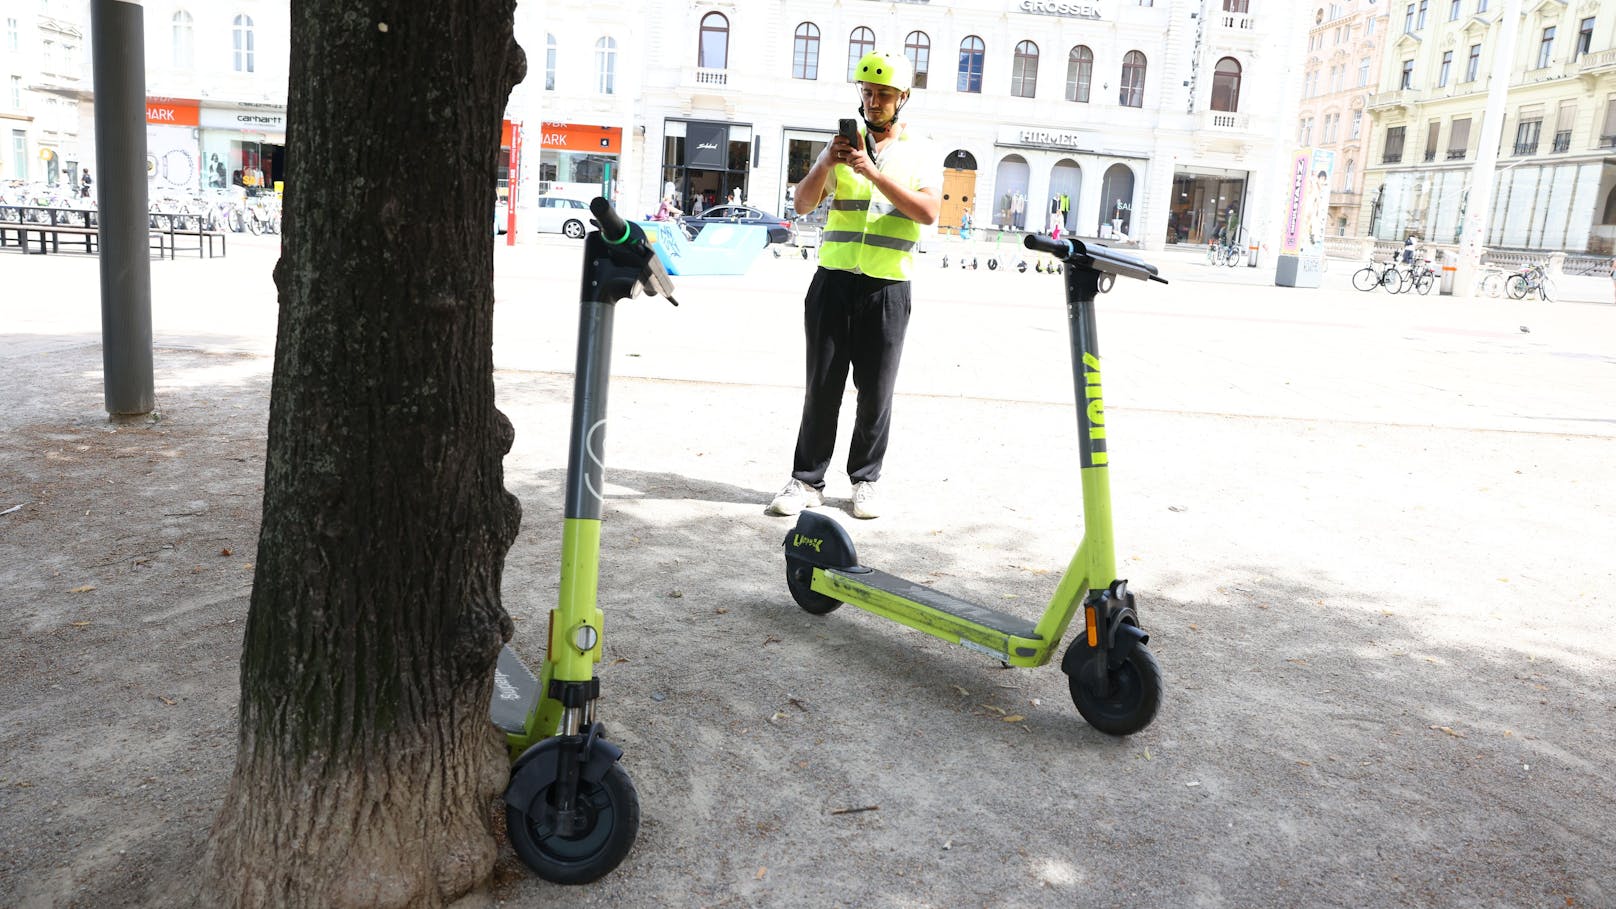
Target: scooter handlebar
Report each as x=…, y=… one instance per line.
x=1095, y=256
x=1041, y=243
x=629, y=247
x=613, y=228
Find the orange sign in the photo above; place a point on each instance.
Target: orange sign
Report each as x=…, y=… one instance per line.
x=504, y=134
x=579, y=138
x=173, y=112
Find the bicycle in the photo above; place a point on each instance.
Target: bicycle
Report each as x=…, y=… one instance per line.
x=1378, y=274
x=1421, y=277
x=1492, y=282
x=1532, y=280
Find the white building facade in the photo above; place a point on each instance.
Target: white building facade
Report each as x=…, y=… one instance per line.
x=1148, y=122
x=44, y=75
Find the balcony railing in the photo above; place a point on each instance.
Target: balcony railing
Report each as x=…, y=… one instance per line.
x=1390, y=99
x=1522, y=149
x=1392, y=157
x=1598, y=62
x=1344, y=198
x=1457, y=154
x=1240, y=21
x=1562, y=141
x=1430, y=154
x=706, y=77
x=1224, y=120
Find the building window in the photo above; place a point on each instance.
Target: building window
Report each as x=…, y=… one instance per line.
x=971, y=54
x=1330, y=121
x=1433, y=133
x=805, y=52
x=917, y=47
x=1562, y=127
x=606, y=66
x=1419, y=21
x=1363, y=72
x=19, y=154
x=549, y=62
x=859, y=43
x=11, y=34
x=1473, y=65
x=712, y=52
x=1346, y=177
x=1527, y=133
x=1393, y=152
x=1024, y=71
x=1226, y=85
x=184, y=46
x=1585, y=38
x=1459, y=139
x=1545, y=47
x=1304, y=133
x=1237, y=6
x=1407, y=80
x=1132, y=91
x=1481, y=6
x=1408, y=20
x=1447, y=66
x=1079, y=74
x=1357, y=123
x=1453, y=11
x=243, y=35
x=16, y=93
x=1607, y=135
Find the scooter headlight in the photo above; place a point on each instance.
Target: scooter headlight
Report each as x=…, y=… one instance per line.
x=585, y=637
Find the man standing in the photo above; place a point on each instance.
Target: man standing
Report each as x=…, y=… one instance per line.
x=857, y=308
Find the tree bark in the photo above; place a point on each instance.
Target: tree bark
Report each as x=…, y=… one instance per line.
x=366, y=759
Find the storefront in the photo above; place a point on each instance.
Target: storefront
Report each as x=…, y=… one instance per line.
x=577, y=154
x=243, y=145
x=803, y=147
x=706, y=162
x=172, y=167
x=1205, y=200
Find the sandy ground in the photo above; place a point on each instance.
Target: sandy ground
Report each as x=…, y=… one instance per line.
x=1371, y=537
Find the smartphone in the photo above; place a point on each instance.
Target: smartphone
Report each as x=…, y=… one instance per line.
x=847, y=127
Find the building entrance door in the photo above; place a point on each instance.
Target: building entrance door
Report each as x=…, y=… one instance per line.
x=959, y=196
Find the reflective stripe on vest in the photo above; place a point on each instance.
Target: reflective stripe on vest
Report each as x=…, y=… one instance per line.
x=865, y=234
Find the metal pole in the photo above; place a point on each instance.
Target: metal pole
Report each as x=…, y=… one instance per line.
x=1480, y=201
x=117, y=34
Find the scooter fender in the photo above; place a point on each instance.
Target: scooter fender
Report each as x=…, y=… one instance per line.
x=539, y=766
x=820, y=541
x=1122, y=634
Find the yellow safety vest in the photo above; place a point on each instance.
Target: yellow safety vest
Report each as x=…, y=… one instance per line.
x=864, y=232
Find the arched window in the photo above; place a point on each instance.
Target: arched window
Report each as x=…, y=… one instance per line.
x=1226, y=85
x=917, y=47
x=606, y=66
x=1132, y=90
x=1079, y=74
x=243, y=34
x=184, y=41
x=861, y=42
x=971, y=54
x=713, y=50
x=1024, y=71
x=805, y=52
x=1116, y=199
x=549, y=62
x=1610, y=208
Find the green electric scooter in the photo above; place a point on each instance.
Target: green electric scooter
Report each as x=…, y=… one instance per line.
x=1114, y=680
x=570, y=809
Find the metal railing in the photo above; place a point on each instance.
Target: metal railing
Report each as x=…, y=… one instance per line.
x=1457, y=154
x=1562, y=141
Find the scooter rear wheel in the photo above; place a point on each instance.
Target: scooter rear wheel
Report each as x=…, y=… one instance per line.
x=799, y=580
x=612, y=809
x=1135, y=696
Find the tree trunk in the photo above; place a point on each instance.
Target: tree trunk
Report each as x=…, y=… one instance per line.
x=366, y=759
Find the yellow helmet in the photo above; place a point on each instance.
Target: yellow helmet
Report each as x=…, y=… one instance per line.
x=882, y=68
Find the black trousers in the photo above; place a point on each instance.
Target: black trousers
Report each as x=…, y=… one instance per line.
x=858, y=322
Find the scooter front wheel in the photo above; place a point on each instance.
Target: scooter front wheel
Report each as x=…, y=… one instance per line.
x=1135, y=693
x=799, y=580
x=611, y=811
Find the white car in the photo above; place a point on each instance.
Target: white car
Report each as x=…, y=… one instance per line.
x=549, y=215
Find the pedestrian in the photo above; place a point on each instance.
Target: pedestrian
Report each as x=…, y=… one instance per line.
x=1408, y=250
x=1613, y=272
x=856, y=311
x=84, y=183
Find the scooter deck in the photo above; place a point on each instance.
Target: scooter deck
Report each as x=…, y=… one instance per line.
x=516, y=690
x=980, y=616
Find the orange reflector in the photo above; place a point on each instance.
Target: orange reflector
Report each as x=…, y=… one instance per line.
x=1091, y=619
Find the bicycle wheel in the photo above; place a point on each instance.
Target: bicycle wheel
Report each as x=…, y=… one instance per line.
x=1392, y=280
x=1493, y=285
x=1545, y=289
x=1235, y=253
x=1365, y=278
x=1212, y=254
x=1516, y=286
x=1423, y=284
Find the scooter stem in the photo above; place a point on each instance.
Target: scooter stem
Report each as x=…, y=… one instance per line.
x=1098, y=549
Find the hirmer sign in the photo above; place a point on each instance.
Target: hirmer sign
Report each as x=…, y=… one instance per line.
x=1061, y=8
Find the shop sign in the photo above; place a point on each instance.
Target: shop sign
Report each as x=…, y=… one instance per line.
x=171, y=112
x=707, y=145
x=1038, y=137
x=577, y=137
x=1060, y=8
x=267, y=120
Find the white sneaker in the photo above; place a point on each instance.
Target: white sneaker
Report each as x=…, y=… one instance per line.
x=796, y=496
x=866, y=504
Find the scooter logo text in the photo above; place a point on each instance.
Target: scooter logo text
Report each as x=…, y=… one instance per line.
x=1095, y=410
x=507, y=691
x=798, y=541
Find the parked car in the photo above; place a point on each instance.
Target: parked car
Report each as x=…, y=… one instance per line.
x=779, y=228
x=548, y=215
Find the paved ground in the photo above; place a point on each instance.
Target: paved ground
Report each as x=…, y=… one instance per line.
x=1371, y=535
